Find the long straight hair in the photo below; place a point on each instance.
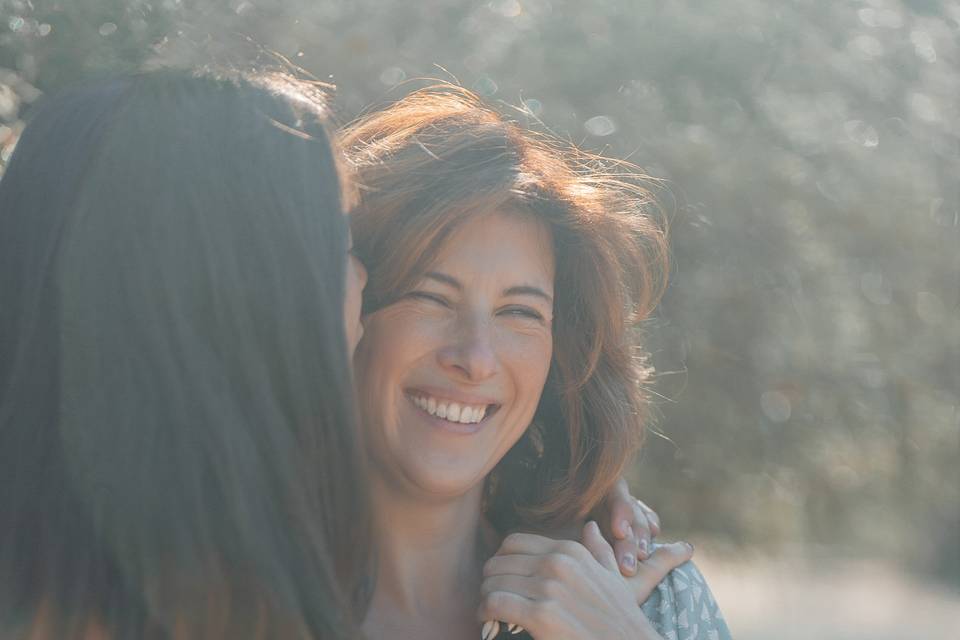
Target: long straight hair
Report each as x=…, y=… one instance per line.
x=177, y=442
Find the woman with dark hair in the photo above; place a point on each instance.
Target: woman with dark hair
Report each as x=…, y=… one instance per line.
x=499, y=381
x=177, y=314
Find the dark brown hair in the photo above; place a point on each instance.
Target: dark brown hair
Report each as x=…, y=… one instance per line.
x=428, y=162
x=178, y=456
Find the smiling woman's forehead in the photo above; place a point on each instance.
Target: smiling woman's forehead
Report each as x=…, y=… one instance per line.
x=513, y=251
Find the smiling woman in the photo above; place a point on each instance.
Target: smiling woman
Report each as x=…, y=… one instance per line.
x=500, y=384
x=439, y=159
x=464, y=353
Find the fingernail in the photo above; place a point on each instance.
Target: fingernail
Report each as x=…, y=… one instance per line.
x=629, y=561
x=517, y=629
x=626, y=529
x=644, y=547
x=689, y=546
x=491, y=628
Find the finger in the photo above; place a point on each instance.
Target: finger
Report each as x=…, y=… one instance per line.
x=655, y=569
x=538, y=618
x=643, y=529
x=533, y=588
x=620, y=506
x=503, y=605
x=652, y=518
x=598, y=547
x=532, y=544
x=628, y=554
x=635, y=545
x=622, y=525
x=667, y=557
x=526, y=543
x=517, y=564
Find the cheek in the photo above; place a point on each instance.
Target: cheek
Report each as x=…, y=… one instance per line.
x=529, y=362
x=392, y=347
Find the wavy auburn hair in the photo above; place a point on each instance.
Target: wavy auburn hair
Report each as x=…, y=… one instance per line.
x=439, y=156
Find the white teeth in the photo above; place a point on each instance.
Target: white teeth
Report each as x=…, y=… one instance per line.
x=453, y=412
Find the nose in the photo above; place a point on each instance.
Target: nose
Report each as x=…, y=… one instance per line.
x=471, y=356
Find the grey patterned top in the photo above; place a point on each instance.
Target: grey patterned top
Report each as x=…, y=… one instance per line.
x=682, y=607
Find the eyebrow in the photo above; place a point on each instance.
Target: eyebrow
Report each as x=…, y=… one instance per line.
x=518, y=290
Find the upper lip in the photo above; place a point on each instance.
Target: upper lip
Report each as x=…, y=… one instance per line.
x=452, y=395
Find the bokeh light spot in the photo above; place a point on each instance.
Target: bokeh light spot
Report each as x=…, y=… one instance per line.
x=865, y=47
x=923, y=46
x=924, y=107
x=600, y=126
x=533, y=106
x=868, y=16
x=862, y=133
x=889, y=18
x=776, y=406
x=485, y=86
x=244, y=8
x=507, y=8
x=393, y=75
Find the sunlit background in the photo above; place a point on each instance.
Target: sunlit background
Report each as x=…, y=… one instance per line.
x=809, y=346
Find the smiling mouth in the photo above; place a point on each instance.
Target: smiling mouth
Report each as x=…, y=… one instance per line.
x=457, y=412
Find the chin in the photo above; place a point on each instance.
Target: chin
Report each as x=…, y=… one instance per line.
x=450, y=479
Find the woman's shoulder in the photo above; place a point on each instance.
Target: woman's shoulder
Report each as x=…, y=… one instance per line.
x=682, y=607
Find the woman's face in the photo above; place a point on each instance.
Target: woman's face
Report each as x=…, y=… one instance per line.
x=356, y=281
x=451, y=374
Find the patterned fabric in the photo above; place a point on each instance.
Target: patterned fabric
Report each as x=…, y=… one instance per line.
x=682, y=607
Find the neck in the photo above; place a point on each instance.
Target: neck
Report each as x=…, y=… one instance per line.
x=430, y=554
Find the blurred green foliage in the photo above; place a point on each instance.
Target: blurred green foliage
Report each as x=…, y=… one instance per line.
x=809, y=346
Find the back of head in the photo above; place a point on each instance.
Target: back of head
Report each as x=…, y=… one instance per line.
x=177, y=454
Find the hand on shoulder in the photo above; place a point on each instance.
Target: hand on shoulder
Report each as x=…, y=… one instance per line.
x=562, y=589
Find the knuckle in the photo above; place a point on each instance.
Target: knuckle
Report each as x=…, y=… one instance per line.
x=573, y=549
x=513, y=540
x=488, y=586
x=553, y=589
x=556, y=565
x=639, y=515
x=494, y=602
